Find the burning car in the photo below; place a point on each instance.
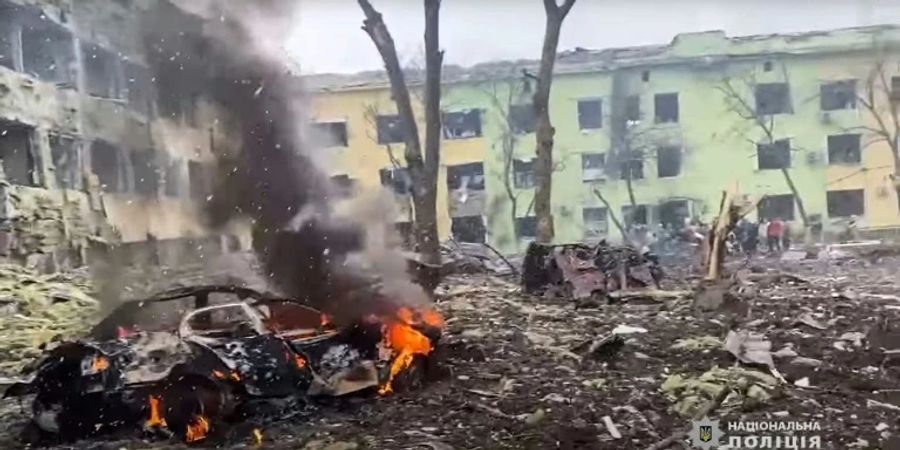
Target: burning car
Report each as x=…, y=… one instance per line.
x=187, y=359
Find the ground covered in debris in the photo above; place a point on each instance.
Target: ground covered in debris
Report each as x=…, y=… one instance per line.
x=522, y=372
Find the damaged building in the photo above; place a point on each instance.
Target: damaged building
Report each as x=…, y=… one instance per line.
x=650, y=129
x=97, y=152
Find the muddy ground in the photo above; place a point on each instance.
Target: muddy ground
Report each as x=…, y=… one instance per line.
x=515, y=371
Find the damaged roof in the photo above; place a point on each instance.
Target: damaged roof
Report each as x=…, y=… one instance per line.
x=705, y=47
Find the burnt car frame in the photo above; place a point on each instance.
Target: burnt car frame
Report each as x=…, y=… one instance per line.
x=191, y=356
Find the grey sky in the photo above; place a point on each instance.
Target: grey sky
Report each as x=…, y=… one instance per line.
x=328, y=37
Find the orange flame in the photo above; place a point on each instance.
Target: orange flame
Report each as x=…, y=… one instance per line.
x=257, y=437
x=406, y=341
x=156, y=419
x=324, y=320
x=100, y=363
x=197, y=429
x=234, y=376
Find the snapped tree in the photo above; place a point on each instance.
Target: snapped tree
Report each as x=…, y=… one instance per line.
x=881, y=100
x=543, y=169
x=423, y=170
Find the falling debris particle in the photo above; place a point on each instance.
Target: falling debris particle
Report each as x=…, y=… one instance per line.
x=611, y=427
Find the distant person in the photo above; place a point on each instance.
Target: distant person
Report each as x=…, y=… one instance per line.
x=773, y=234
x=750, y=237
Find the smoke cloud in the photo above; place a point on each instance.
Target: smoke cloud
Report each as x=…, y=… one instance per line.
x=234, y=55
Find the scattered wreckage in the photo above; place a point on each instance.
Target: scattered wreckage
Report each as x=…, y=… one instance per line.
x=581, y=271
x=187, y=360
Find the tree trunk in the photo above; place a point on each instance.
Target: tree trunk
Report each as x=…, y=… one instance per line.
x=423, y=173
x=612, y=216
x=543, y=170
x=800, y=207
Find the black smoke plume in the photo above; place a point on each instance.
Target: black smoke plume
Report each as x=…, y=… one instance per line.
x=271, y=181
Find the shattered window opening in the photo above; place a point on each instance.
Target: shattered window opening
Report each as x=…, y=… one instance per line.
x=16, y=153
x=780, y=206
x=398, y=179
x=593, y=167
x=838, y=95
x=673, y=213
x=776, y=155
x=633, y=109
x=390, y=129
x=198, y=180
x=174, y=185
x=526, y=227
x=668, y=162
x=139, y=86
x=773, y=98
x=330, y=134
x=635, y=215
x=844, y=149
x=596, y=223
x=344, y=185
x=590, y=114
x=467, y=176
x=523, y=174
x=666, y=107
x=846, y=203
x=462, y=124
x=102, y=72
x=146, y=172
x=107, y=163
x=632, y=168
x=47, y=51
x=66, y=161
x=522, y=118
x=469, y=229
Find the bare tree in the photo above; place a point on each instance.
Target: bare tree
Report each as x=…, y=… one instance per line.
x=880, y=101
x=423, y=171
x=544, y=162
x=745, y=108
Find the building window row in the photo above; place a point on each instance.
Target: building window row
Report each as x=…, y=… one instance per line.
x=842, y=149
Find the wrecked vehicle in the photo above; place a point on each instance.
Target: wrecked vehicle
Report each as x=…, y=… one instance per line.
x=185, y=360
x=580, y=271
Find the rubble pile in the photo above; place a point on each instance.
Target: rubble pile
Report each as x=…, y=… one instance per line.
x=38, y=308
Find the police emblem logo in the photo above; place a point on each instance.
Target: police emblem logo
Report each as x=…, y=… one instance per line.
x=705, y=434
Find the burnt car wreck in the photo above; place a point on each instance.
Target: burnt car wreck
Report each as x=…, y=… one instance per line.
x=580, y=271
x=188, y=360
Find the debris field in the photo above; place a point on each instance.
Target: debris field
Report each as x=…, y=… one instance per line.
x=792, y=340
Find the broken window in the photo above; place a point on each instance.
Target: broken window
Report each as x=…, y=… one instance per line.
x=844, y=149
x=635, y=215
x=633, y=108
x=146, y=173
x=462, y=124
x=773, y=98
x=846, y=203
x=666, y=107
x=66, y=163
x=590, y=114
x=593, y=167
x=767, y=66
x=175, y=178
x=526, y=227
x=466, y=176
x=102, y=72
x=16, y=153
x=523, y=174
x=397, y=179
x=140, y=87
x=780, y=206
x=107, y=163
x=668, y=162
x=522, y=119
x=838, y=95
x=390, y=129
x=468, y=229
x=330, y=134
x=673, y=213
x=595, y=222
x=344, y=185
x=633, y=167
x=198, y=180
x=776, y=155
x=178, y=106
x=47, y=51
x=645, y=76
